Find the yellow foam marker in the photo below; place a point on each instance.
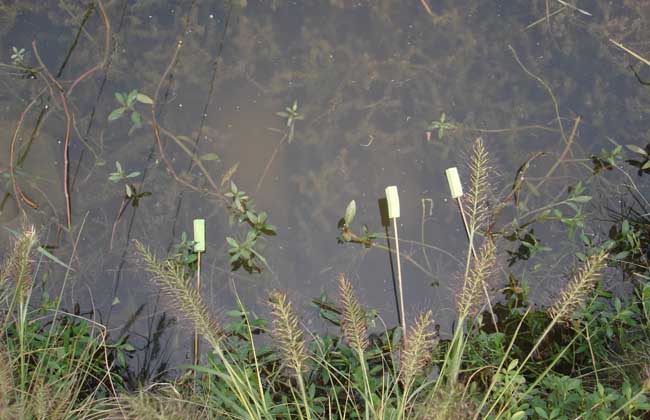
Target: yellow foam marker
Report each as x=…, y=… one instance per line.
x=199, y=235
x=392, y=198
x=455, y=187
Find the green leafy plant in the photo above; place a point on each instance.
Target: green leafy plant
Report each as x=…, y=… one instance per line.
x=130, y=190
x=440, y=126
x=242, y=252
x=18, y=56
x=127, y=102
x=292, y=115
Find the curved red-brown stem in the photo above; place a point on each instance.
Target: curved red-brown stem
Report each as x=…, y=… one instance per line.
x=14, y=138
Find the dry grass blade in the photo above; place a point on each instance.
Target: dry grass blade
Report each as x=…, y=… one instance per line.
x=286, y=332
x=416, y=350
x=476, y=198
x=173, y=281
x=353, y=319
x=476, y=279
x=580, y=287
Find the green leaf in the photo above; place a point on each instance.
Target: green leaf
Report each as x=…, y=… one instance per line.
x=233, y=243
x=518, y=415
x=581, y=199
x=131, y=98
x=350, y=212
x=47, y=254
x=133, y=174
x=210, y=156
x=116, y=113
x=118, y=166
x=129, y=190
x=120, y=98
x=144, y=99
x=136, y=118
x=282, y=114
x=645, y=166
x=637, y=149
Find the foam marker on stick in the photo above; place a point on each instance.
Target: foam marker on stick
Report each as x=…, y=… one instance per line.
x=392, y=199
x=199, y=248
x=456, y=190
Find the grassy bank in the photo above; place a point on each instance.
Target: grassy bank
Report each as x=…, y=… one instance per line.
x=583, y=356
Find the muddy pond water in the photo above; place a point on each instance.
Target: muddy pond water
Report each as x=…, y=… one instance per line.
x=389, y=92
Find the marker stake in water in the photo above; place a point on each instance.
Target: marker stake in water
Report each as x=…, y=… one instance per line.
x=456, y=190
x=392, y=199
x=199, y=248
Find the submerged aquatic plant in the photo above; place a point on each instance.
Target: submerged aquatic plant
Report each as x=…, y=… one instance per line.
x=292, y=115
x=440, y=126
x=128, y=102
x=242, y=252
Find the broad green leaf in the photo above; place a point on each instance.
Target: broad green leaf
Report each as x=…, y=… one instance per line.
x=116, y=113
x=645, y=166
x=120, y=98
x=144, y=99
x=350, y=212
x=131, y=98
x=210, y=156
x=136, y=119
x=118, y=166
x=133, y=174
x=233, y=243
x=518, y=415
x=129, y=190
x=637, y=149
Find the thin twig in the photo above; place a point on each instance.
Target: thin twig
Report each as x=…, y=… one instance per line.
x=269, y=163
x=629, y=51
x=19, y=195
x=566, y=150
x=548, y=89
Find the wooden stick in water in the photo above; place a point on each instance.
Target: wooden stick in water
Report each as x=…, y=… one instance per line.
x=199, y=248
x=392, y=199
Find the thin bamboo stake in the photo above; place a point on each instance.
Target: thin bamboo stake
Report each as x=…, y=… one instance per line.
x=392, y=198
x=199, y=248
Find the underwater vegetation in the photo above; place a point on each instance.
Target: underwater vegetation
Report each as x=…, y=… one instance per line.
x=279, y=125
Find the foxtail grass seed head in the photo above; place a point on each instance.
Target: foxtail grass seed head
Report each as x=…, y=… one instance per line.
x=174, y=283
x=476, y=198
x=17, y=265
x=353, y=319
x=480, y=270
x=286, y=332
x=580, y=287
x=417, y=347
x=392, y=198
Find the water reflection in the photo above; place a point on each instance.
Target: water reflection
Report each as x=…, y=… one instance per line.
x=370, y=79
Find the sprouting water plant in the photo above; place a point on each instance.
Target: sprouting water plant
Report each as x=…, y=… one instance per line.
x=440, y=126
x=18, y=56
x=130, y=190
x=128, y=102
x=242, y=253
x=292, y=115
